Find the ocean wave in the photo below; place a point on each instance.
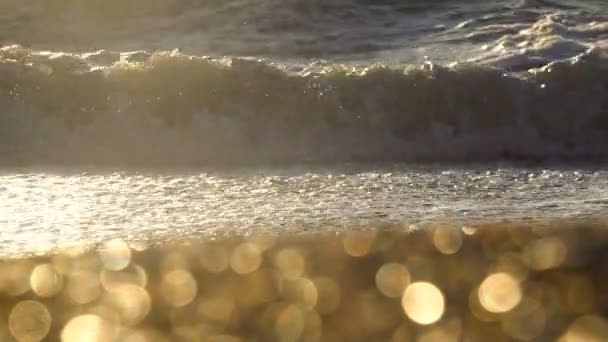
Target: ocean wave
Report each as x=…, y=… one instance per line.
x=172, y=107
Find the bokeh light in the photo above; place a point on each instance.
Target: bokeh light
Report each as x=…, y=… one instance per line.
x=83, y=287
x=131, y=302
x=358, y=244
x=290, y=263
x=516, y=283
x=329, y=294
x=134, y=275
x=423, y=303
x=115, y=255
x=392, y=279
x=219, y=308
x=289, y=324
x=246, y=258
x=88, y=328
x=45, y=281
x=447, y=240
x=179, y=287
x=29, y=321
x=546, y=253
x=302, y=291
x=499, y=292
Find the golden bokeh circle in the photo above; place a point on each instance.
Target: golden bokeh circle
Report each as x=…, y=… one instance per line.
x=358, y=244
x=83, y=287
x=289, y=324
x=115, y=255
x=29, y=321
x=131, y=302
x=329, y=295
x=290, y=263
x=423, y=303
x=88, y=328
x=45, y=281
x=302, y=291
x=546, y=253
x=179, y=288
x=246, y=258
x=447, y=240
x=499, y=292
x=392, y=278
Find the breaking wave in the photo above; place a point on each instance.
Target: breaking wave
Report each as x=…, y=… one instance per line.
x=537, y=93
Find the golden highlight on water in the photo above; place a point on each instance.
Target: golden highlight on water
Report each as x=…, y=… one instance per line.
x=528, y=282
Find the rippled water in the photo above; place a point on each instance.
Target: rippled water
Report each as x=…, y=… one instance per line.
x=44, y=210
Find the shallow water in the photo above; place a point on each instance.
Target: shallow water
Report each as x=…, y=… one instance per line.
x=46, y=210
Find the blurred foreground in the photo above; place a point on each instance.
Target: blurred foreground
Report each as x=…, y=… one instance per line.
x=491, y=282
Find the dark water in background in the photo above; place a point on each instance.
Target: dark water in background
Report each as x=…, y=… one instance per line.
x=337, y=30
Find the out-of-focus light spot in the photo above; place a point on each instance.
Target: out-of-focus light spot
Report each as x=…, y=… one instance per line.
x=329, y=295
x=45, y=281
x=546, y=253
x=219, y=309
x=214, y=259
x=289, y=324
x=131, y=302
x=447, y=240
x=88, y=328
x=423, y=303
x=290, y=263
x=29, y=321
x=115, y=255
x=358, y=244
x=392, y=278
x=136, y=275
x=302, y=291
x=478, y=311
x=246, y=258
x=588, y=328
x=466, y=230
x=83, y=287
x=179, y=287
x=499, y=292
